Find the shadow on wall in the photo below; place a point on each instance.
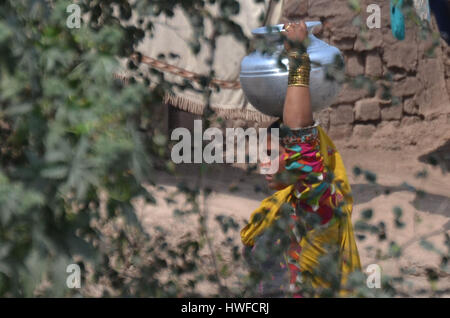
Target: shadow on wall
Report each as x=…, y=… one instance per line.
x=425, y=202
x=439, y=156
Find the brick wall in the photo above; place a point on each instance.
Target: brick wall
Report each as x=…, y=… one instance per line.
x=419, y=83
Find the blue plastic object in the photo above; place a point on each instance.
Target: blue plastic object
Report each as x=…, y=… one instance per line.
x=397, y=20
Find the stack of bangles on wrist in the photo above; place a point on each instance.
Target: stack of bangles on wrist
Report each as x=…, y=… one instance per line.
x=299, y=69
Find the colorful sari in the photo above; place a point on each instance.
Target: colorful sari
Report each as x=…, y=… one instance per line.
x=322, y=189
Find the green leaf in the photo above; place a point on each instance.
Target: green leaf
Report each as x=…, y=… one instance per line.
x=395, y=250
x=367, y=214
x=59, y=172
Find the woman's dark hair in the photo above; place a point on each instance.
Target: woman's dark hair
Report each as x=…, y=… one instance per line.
x=275, y=124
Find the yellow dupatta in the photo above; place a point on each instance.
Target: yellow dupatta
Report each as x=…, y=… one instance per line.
x=313, y=244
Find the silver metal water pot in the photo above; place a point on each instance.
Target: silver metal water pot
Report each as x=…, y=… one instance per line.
x=264, y=81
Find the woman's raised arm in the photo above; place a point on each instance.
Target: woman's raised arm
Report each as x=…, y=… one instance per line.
x=297, y=112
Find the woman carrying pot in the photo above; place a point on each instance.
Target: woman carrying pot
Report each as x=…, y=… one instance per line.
x=301, y=238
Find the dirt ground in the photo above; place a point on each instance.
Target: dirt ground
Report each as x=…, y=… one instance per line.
x=395, y=154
